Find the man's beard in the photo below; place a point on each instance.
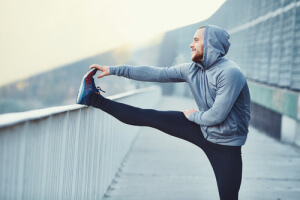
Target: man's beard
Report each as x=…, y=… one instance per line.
x=197, y=58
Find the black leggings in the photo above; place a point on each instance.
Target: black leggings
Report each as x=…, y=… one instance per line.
x=225, y=160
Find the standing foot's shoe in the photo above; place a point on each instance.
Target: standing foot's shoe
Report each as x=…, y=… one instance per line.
x=87, y=87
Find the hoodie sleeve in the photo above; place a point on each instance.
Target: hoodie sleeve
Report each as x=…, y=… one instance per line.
x=229, y=85
x=175, y=73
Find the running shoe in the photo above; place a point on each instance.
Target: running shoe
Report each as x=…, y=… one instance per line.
x=87, y=87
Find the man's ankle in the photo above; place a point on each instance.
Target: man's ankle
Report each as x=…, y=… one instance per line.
x=96, y=99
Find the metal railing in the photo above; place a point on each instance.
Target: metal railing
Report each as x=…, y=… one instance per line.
x=67, y=152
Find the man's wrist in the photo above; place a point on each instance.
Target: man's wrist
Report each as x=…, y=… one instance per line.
x=192, y=116
x=113, y=70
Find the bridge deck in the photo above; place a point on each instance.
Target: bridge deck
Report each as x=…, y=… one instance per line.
x=163, y=167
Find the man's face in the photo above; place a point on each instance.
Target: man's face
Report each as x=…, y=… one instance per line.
x=197, y=46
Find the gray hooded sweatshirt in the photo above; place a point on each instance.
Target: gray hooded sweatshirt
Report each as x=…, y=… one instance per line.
x=219, y=87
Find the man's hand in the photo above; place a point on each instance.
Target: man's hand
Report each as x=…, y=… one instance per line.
x=104, y=69
x=188, y=112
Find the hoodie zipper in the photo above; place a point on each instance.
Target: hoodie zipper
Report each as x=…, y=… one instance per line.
x=205, y=82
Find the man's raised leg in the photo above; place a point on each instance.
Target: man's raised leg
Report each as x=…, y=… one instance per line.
x=171, y=122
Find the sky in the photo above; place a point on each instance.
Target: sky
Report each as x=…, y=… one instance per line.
x=36, y=35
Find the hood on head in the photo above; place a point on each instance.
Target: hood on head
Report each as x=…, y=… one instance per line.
x=216, y=45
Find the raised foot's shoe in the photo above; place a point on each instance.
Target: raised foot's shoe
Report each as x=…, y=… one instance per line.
x=87, y=87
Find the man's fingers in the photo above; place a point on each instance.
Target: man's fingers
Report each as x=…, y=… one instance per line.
x=93, y=66
x=96, y=67
x=188, y=112
x=101, y=75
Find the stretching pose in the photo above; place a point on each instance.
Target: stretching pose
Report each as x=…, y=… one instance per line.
x=220, y=90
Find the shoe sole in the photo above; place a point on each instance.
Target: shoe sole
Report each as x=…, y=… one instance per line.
x=82, y=85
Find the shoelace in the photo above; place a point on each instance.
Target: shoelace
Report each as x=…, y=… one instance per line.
x=99, y=89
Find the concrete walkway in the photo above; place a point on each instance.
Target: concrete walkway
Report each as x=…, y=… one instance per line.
x=162, y=167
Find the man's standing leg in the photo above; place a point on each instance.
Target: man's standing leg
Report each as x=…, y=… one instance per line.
x=227, y=165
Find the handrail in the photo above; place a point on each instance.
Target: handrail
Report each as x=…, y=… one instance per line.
x=10, y=119
x=66, y=152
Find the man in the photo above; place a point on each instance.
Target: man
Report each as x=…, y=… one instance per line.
x=221, y=92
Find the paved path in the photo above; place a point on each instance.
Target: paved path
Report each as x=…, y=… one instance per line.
x=161, y=167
